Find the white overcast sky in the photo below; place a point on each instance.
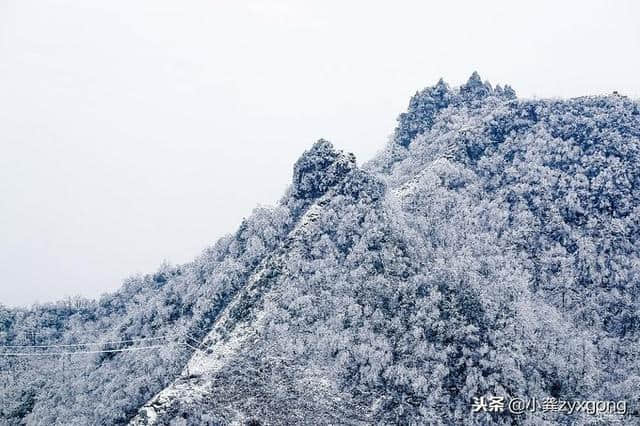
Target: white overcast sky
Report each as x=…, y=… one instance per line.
x=133, y=132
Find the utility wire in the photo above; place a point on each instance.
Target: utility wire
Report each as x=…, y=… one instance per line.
x=31, y=354
x=89, y=343
x=80, y=352
x=192, y=347
x=199, y=343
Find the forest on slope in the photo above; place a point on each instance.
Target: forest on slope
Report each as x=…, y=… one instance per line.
x=490, y=249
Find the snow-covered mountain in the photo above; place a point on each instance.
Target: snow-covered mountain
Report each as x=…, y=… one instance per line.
x=490, y=249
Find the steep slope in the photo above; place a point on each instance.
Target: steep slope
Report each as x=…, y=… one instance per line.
x=491, y=249
x=247, y=322
x=501, y=259
x=162, y=308
x=170, y=308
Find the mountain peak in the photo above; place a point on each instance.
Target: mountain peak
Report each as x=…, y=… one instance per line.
x=427, y=103
x=320, y=168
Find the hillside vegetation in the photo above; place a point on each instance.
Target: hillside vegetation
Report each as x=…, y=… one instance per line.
x=491, y=248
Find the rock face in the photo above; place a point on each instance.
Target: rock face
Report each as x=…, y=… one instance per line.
x=491, y=249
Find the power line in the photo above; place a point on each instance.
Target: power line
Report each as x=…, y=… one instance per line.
x=79, y=352
x=192, y=347
x=199, y=343
x=89, y=343
x=32, y=354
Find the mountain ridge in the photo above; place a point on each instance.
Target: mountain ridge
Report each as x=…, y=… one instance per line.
x=490, y=249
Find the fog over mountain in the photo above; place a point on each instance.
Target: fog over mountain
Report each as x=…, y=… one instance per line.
x=490, y=249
